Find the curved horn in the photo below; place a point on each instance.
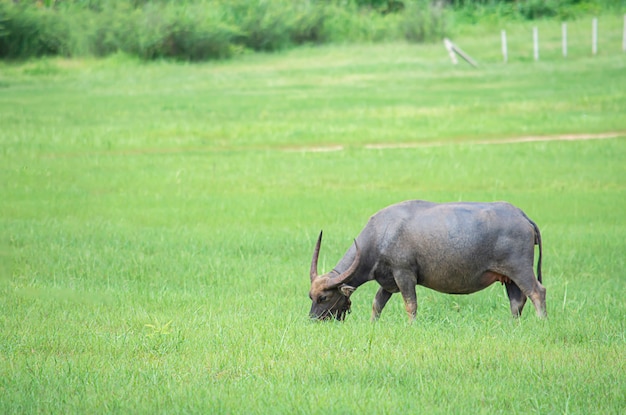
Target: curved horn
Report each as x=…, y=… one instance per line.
x=316, y=254
x=347, y=274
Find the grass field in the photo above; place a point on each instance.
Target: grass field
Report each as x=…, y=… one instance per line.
x=158, y=220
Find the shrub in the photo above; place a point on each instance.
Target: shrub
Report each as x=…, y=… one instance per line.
x=198, y=33
x=349, y=23
x=165, y=31
x=309, y=23
x=264, y=25
x=273, y=25
x=424, y=21
x=213, y=29
x=30, y=32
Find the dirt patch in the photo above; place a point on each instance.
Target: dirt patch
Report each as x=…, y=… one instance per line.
x=426, y=144
x=337, y=147
x=528, y=139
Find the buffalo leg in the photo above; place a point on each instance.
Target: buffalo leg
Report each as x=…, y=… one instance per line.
x=516, y=298
x=538, y=297
x=406, y=281
x=533, y=290
x=381, y=298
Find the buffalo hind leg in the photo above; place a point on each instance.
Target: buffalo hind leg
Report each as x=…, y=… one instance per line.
x=406, y=282
x=538, y=297
x=381, y=298
x=516, y=298
x=533, y=289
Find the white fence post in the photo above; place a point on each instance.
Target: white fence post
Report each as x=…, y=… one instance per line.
x=564, y=42
x=505, y=53
x=594, y=36
x=536, y=43
x=564, y=35
x=454, y=50
x=450, y=49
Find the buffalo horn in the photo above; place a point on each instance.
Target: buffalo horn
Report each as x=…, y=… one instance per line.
x=316, y=254
x=344, y=276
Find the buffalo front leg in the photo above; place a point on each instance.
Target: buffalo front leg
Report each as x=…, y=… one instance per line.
x=381, y=298
x=406, y=281
x=516, y=298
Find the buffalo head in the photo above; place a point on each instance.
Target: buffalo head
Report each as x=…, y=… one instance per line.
x=329, y=292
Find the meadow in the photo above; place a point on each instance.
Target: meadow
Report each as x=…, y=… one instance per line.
x=158, y=220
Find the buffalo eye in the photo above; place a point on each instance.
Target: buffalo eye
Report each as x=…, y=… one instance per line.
x=321, y=298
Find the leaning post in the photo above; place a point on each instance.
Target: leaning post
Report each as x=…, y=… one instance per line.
x=454, y=50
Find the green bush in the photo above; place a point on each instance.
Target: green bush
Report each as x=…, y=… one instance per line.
x=265, y=25
x=309, y=24
x=474, y=11
x=213, y=29
x=563, y=9
x=27, y=31
x=349, y=23
x=113, y=29
x=424, y=21
x=166, y=31
x=274, y=25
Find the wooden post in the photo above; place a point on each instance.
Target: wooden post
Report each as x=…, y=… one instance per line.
x=536, y=43
x=564, y=35
x=594, y=36
x=450, y=50
x=454, y=50
x=505, y=54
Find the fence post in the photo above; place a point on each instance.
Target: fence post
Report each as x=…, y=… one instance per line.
x=450, y=49
x=564, y=35
x=454, y=50
x=594, y=36
x=505, y=53
x=536, y=43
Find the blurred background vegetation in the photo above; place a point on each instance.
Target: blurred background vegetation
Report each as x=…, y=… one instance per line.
x=195, y=30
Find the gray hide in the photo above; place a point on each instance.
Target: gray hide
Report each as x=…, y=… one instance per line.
x=454, y=248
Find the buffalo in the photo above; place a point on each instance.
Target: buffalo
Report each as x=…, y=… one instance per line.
x=453, y=248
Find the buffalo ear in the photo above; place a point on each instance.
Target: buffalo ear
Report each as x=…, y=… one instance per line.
x=346, y=290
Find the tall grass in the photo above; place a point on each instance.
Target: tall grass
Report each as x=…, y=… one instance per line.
x=157, y=222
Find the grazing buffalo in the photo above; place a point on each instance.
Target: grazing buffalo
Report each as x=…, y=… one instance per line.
x=454, y=248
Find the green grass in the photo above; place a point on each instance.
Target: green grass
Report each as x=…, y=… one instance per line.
x=157, y=227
